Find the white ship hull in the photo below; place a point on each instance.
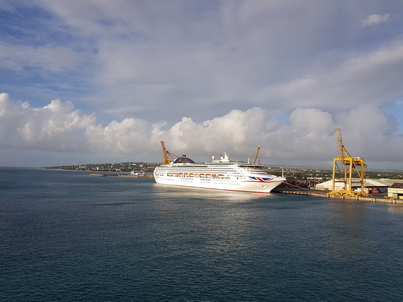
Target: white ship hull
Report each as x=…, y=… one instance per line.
x=231, y=176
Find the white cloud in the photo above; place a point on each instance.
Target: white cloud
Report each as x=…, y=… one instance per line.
x=238, y=131
x=128, y=136
x=200, y=56
x=177, y=70
x=56, y=127
x=253, y=52
x=219, y=53
x=375, y=19
x=308, y=135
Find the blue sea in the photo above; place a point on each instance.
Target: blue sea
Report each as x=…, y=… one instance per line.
x=68, y=236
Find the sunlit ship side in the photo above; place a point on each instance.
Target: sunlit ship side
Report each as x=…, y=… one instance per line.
x=222, y=174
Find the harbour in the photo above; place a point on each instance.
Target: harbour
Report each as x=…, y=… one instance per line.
x=377, y=198
x=348, y=180
x=67, y=236
x=192, y=151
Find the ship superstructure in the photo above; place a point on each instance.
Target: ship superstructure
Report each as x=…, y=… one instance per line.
x=221, y=174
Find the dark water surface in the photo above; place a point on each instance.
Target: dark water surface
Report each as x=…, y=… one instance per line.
x=67, y=236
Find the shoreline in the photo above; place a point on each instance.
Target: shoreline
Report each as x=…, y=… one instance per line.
x=120, y=175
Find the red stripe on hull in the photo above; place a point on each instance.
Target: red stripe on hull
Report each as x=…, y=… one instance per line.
x=203, y=188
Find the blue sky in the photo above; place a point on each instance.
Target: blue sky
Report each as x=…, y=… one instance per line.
x=94, y=81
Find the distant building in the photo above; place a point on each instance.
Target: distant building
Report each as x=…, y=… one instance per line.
x=371, y=185
x=396, y=191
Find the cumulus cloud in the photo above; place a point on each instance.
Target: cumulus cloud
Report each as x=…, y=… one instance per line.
x=237, y=131
x=308, y=134
x=205, y=76
x=375, y=19
x=57, y=126
x=127, y=136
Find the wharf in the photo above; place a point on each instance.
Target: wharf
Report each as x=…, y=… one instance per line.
x=377, y=198
x=121, y=175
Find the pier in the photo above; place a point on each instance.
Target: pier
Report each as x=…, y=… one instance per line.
x=376, y=198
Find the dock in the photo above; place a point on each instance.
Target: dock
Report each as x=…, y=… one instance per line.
x=376, y=198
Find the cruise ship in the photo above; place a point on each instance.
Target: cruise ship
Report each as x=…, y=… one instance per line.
x=220, y=174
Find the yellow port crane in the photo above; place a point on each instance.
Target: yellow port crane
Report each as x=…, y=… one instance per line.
x=344, y=168
x=168, y=157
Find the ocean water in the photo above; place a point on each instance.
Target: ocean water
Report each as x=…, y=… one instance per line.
x=68, y=236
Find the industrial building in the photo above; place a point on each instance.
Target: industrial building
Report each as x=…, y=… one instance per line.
x=395, y=191
x=393, y=187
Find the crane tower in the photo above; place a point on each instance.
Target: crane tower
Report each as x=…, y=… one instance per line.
x=344, y=168
x=166, y=154
x=256, y=155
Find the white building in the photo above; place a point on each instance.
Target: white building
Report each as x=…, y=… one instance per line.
x=396, y=190
x=372, y=185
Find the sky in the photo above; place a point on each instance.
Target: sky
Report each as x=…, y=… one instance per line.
x=94, y=81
